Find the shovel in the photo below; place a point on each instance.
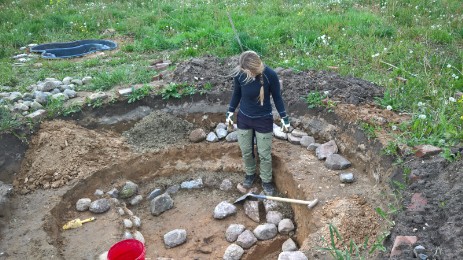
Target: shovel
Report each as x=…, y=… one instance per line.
x=310, y=203
x=75, y=223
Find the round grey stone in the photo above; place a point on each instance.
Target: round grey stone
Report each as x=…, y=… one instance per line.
x=127, y=223
x=136, y=200
x=233, y=252
x=233, y=231
x=175, y=238
x=83, y=204
x=266, y=231
x=289, y=245
x=285, y=226
x=274, y=217
x=100, y=206
x=292, y=255
x=224, y=209
x=246, y=239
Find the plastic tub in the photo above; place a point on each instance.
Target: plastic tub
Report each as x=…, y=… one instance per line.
x=129, y=249
x=61, y=50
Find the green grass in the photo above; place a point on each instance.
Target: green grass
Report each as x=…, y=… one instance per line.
x=379, y=41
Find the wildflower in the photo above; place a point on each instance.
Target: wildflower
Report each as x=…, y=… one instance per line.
x=422, y=116
x=452, y=99
x=375, y=55
x=389, y=107
x=394, y=127
x=326, y=92
x=420, y=104
x=410, y=51
x=449, y=66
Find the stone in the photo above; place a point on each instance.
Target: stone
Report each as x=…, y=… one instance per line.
x=212, y=137
x=120, y=211
x=153, y=194
x=98, y=193
x=271, y=205
x=37, y=115
x=426, y=150
x=67, y=80
x=173, y=189
x=232, y=137
x=59, y=96
x=127, y=223
x=86, y=80
x=233, y=231
x=193, y=184
x=294, y=139
x=307, y=140
x=36, y=105
x=138, y=236
x=175, y=238
x=125, y=91
x=161, y=204
x=15, y=96
x=127, y=235
x=251, y=209
x=246, y=239
x=419, y=249
x=221, y=126
x=337, y=162
x=20, y=107
x=128, y=190
x=298, y=133
x=198, y=135
x=136, y=221
x=400, y=241
x=70, y=93
x=224, y=209
x=326, y=149
x=279, y=134
x=313, y=146
x=98, y=95
x=41, y=97
x=233, y=252
x=83, y=204
x=100, y=206
x=418, y=203
x=346, y=177
x=77, y=82
x=292, y=255
x=289, y=245
x=221, y=133
x=136, y=200
x=113, y=193
x=226, y=185
x=49, y=85
x=274, y=217
x=285, y=226
x=55, y=91
x=265, y=231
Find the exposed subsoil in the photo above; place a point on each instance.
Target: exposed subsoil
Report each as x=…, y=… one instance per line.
x=68, y=160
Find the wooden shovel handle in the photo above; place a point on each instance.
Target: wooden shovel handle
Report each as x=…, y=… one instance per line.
x=305, y=202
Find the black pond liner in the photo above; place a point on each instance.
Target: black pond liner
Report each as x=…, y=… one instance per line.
x=61, y=50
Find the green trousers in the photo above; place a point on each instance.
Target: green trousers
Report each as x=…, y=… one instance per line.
x=264, y=149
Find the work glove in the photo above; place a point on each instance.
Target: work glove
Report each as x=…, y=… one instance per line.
x=285, y=124
x=229, y=120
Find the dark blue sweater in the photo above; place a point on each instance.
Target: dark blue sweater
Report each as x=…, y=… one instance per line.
x=247, y=95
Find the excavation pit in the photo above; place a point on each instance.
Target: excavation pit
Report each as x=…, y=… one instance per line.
x=70, y=159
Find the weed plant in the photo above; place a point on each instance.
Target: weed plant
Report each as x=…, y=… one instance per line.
x=418, y=42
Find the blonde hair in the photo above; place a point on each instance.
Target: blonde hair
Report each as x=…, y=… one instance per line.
x=252, y=66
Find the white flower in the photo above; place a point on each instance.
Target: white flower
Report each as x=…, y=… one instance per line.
x=410, y=51
x=449, y=66
x=422, y=117
x=389, y=107
x=452, y=99
x=453, y=75
x=326, y=92
x=420, y=104
x=375, y=55
x=394, y=127
x=456, y=77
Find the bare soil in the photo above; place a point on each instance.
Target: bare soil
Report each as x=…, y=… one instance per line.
x=69, y=160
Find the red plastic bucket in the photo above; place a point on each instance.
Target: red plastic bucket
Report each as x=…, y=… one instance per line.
x=129, y=249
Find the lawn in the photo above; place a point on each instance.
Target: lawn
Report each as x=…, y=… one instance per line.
x=412, y=48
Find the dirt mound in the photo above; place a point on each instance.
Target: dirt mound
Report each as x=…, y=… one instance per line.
x=158, y=130
x=353, y=217
x=296, y=85
x=63, y=151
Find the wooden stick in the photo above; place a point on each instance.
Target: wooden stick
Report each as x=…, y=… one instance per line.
x=236, y=33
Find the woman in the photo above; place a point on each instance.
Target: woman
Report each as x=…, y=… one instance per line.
x=253, y=84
